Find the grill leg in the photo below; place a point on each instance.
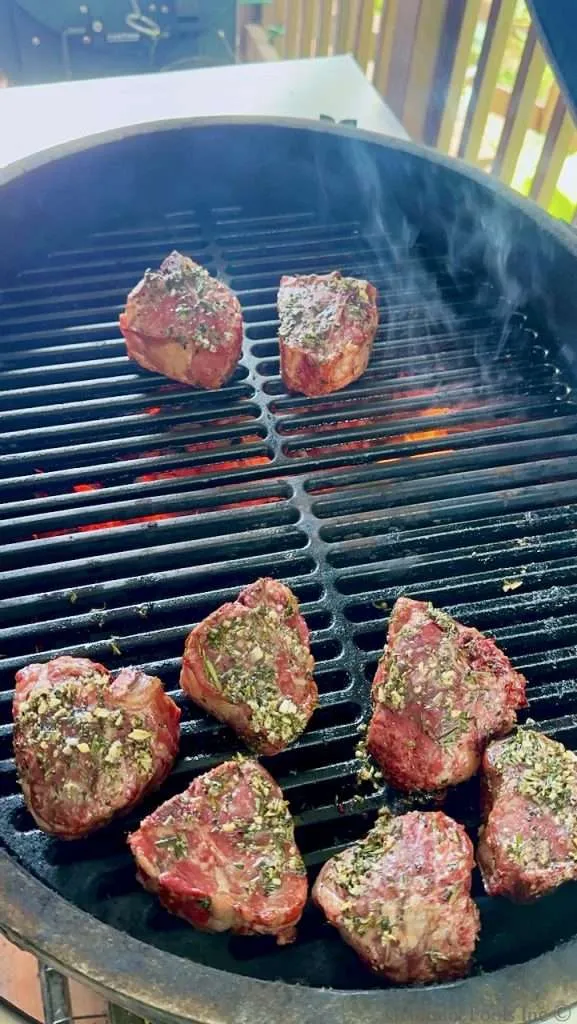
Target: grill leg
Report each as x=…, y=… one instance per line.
x=57, y=1005
x=55, y=995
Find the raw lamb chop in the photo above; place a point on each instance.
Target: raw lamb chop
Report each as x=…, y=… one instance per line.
x=88, y=747
x=401, y=897
x=440, y=693
x=183, y=323
x=223, y=856
x=327, y=327
x=249, y=664
x=528, y=845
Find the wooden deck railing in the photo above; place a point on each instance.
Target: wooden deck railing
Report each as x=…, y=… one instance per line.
x=439, y=64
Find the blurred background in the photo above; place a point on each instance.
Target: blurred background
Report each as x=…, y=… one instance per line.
x=469, y=77
x=52, y=40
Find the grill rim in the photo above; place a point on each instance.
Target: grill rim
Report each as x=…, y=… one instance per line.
x=561, y=231
x=152, y=982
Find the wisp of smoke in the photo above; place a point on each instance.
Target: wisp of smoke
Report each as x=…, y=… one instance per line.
x=443, y=277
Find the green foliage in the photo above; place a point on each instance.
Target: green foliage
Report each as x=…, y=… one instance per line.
x=561, y=206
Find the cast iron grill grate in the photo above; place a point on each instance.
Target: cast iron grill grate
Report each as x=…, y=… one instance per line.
x=131, y=507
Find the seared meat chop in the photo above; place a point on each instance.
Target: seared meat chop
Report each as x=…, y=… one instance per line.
x=440, y=693
x=327, y=327
x=249, y=664
x=183, y=323
x=401, y=897
x=528, y=845
x=88, y=747
x=223, y=856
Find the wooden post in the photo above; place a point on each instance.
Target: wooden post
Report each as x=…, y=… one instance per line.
x=257, y=46
x=468, y=25
x=246, y=15
x=402, y=49
x=365, y=40
x=461, y=17
x=273, y=14
x=325, y=26
x=385, y=45
x=292, y=23
x=420, y=86
x=549, y=108
x=347, y=12
x=307, y=39
x=494, y=43
x=555, y=150
x=521, y=107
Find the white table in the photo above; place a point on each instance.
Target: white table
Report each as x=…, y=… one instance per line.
x=35, y=119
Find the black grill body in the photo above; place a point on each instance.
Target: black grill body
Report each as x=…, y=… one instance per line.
x=133, y=506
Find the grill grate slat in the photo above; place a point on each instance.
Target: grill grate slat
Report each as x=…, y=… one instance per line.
x=132, y=507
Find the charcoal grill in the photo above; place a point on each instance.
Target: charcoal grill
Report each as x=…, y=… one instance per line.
x=132, y=507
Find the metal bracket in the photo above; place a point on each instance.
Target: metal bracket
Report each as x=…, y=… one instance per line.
x=350, y=121
x=55, y=993
x=56, y=1002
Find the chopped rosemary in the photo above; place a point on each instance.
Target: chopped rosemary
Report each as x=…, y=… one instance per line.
x=175, y=844
x=73, y=727
x=311, y=307
x=241, y=654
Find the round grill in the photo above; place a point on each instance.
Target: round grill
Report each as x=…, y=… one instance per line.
x=132, y=507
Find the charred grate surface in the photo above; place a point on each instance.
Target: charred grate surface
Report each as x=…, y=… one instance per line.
x=132, y=507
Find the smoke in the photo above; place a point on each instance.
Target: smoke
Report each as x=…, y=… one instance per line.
x=449, y=263
x=415, y=310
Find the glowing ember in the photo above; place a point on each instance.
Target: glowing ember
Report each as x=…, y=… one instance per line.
x=443, y=410
x=425, y=435
x=415, y=393
x=219, y=467
x=418, y=436
x=111, y=524
x=201, y=445
x=323, y=428
x=427, y=455
x=345, y=399
x=368, y=421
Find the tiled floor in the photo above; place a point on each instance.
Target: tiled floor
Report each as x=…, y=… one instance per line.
x=20, y=988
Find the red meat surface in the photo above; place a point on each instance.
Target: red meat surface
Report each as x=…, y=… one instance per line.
x=88, y=747
x=440, y=693
x=327, y=327
x=249, y=664
x=528, y=845
x=401, y=898
x=223, y=856
x=183, y=323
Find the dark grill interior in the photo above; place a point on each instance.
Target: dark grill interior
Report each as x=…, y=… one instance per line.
x=132, y=507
